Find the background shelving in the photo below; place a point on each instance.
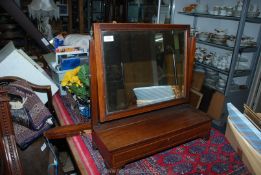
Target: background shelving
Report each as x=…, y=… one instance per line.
x=237, y=73
x=238, y=26
x=248, y=19
x=241, y=49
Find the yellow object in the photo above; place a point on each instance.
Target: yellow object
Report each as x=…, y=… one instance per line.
x=71, y=77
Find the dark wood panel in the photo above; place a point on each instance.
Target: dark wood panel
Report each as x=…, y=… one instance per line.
x=151, y=125
x=8, y=150
x=157, y=145
x=134, y=138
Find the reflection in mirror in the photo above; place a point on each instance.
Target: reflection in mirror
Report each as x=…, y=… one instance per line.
x=143, y=67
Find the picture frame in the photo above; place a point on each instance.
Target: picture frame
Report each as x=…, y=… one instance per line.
x=195, y=98
x=63, y=9
x=253, y=117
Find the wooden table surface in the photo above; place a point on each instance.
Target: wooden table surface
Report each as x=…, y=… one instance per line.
x=77, y=146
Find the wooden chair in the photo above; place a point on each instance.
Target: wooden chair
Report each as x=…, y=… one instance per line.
x=9, y=154
x=10, y=162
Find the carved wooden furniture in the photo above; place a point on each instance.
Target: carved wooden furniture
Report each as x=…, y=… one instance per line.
x=132, y=117
x=9, y=158
x=10, y=162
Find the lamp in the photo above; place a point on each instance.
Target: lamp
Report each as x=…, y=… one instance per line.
x=43, y=10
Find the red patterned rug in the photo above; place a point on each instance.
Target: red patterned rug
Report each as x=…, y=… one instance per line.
x=198, y=157
x=214, y=156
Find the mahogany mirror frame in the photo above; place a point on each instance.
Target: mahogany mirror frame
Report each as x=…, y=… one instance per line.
x=97, y=70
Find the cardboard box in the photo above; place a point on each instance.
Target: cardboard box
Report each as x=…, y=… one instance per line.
x=216, y=106
x=198, y=80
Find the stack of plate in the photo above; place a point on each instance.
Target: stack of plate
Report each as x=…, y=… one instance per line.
x=221, y=84
x=211, y=77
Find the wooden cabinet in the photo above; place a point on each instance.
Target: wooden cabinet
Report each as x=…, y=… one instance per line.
x=140, y=81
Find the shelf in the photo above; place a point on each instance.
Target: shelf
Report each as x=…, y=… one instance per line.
x=241, y=73
x=214, y=87
x=212, y=68
x=206, y=15
x=239, y=89
x=237, y=73
x=242, y=49
x=234, y=89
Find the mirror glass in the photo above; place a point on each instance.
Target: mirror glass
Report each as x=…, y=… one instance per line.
x=143, y=67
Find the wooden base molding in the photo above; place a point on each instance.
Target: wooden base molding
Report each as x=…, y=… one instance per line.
x=123, y=141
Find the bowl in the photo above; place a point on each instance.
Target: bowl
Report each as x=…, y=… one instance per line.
x=202, y=8
x=220, y=88
x=253, y=14
x=213, y=12
x=242, y=59
x=246, y=43
x=221, y=82
x=203, y=36
x=166, y=2
x=211, y=72
x=237, y=13
x=219, y=36
x=199, y=69
x=218, y=40
x=207, y=61
x=230, y=43
x=210, y=81
x=242, y=66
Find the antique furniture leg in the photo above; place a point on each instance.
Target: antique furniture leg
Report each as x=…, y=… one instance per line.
x=9, y=155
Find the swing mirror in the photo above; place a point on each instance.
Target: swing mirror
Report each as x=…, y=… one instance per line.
x=143, y=67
